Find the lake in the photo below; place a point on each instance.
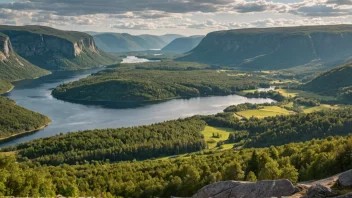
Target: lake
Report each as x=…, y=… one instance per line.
x=71, y=117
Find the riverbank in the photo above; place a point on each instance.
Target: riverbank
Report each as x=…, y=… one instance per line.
x=23, y=133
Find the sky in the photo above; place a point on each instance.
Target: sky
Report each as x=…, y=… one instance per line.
x=186, y=17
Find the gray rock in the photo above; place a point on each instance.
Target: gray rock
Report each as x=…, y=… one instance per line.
x=349, y=195
x=345, y=179
x=277, y=188
x=214, y=189
x=319, y=191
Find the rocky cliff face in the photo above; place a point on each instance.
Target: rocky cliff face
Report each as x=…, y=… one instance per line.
x=5, y=47
x=55, y=49
x=274, y=48
x=14, y=67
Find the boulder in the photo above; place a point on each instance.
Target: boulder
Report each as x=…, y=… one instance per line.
x=349, y=195
x=233, y=189
x=345, y=179
x=319, y=191
x=214, y=189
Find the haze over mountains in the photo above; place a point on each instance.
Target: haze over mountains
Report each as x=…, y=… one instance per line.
x=275, y=48
x=123, y=42
x=183, y=44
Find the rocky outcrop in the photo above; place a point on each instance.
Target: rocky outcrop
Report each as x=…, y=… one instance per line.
x=349, y=195
x=274, y=48
x=236, y=189
x=345, y=179
x=319, y=191
x=55, y=49
x=5, y=47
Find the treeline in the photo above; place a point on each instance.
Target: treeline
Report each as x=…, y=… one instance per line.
x=121, y=84
x=164, y=65
x=15, y=119
x=266, y=94
x=245, y=106
x=181, y=177
x=144, y=142
x=281, y=130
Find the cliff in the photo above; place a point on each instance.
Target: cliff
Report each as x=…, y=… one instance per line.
x=183, y=45
x=13, y=67
x=54, y=49
x=274, y=48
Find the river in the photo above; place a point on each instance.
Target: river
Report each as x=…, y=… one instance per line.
x=70, y=117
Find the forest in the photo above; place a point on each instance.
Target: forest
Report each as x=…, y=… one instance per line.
x=177, y=176
x=141, y=83
x=281, y=130
x=15, y=119
x=145, y=142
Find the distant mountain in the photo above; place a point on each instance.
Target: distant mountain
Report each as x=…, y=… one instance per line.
x=54, y=49
x=123, y=42
x=13, y=67
x=170, y=37
x=336, y=82
x=274, y=48
x=183, y=45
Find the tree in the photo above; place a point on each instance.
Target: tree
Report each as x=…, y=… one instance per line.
x=251, y=177
x=253, y=163
x=270, y=171
x=289, y=172
x=234, y=171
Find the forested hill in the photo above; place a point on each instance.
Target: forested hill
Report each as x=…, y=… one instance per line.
x=182, y=45
x=274, y=48
x=145, y=142
x=336, y=82
x=155, y=81
x=116, y=42
x=13, y=67
x=54, y=49
x=15, y=120
x=181, y=176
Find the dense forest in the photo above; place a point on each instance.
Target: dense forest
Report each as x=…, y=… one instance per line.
x=334, y=82
x=145, y=142
x=182, y=136
x=15, y=119
x=140, y=84
x=180, y=176
x=281, y=130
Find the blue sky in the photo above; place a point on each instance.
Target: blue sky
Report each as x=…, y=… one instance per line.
x=173, y=16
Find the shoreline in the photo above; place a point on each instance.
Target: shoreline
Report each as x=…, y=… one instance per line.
x=23, y=133
x=8, y=91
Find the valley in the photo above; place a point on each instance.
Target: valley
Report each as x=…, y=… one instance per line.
x=108, y=115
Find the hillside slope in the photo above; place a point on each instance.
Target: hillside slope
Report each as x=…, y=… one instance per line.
x=13, y=67
x=182, y=45
x=274, y=48
x=123, y=42
x=54, y=49
x=16, y=120
x=336, y=81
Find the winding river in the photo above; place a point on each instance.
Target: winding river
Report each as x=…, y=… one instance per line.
x=70, y=117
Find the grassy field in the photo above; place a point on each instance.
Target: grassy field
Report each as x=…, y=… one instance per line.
x=208, y=135
x=289, y=93
x=318, y=108
x=265, y=112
